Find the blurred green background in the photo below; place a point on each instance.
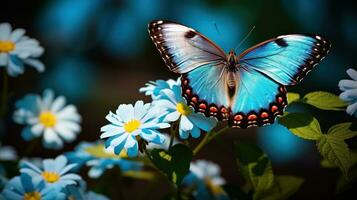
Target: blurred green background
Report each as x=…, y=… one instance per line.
x=98, y=54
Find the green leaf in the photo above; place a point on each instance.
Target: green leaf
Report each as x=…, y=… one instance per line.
x=302, y=125
x=335, y=151
x=342, y=131
x=175, y=163
x=293, y=97
x=327, y=164
x=324, y=100
x=255, y=166
x=285, y=187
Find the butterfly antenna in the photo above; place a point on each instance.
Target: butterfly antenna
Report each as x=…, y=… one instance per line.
x=245, y=38
x=219, y=33
x=216, y=27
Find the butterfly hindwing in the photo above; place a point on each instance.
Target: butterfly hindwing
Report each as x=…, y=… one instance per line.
x=258, y=100
x=182, y=48
x=204, y=88
x=288, y=58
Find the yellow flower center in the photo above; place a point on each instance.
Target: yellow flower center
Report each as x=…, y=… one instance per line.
x=98, y=151
x=6, y=46
x=50, y=177
x=32, y=196
x=183, y=109
x=215, y=189
x=132, y=125
x=48, y=119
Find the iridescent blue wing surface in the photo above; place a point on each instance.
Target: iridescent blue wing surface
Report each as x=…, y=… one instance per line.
x=258, y=99
x=288, y=58
x=182, y=48
x=205, y=89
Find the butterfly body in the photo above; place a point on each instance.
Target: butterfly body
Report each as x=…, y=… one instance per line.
x=246, y=89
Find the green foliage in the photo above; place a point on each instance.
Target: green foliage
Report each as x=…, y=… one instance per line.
x=285, y=187
x=293, y=97
x=175, y=163
x=302, y=125
x=331, y=145
x=256, y=168
x=324, y=100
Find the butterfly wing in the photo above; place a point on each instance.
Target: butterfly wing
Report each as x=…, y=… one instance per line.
x=288, y=58
x=182, y=48
x=258, y=99
x=205, y=90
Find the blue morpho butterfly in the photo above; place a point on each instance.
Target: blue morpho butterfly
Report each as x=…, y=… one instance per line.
x=247, y=90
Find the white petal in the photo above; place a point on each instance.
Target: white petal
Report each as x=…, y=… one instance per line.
x=37, y=129
x=38, y=65
x=17, y=34
x=51, y=139
x=47, y=99
x=171, y=117
x=67, y=134
x=73, y=126
x=185, y=124
x=347, y=84
x=69, y=113
x=352, y=73
x=349, y=95
x=3, y=59
x=130, y=142
x=139, y=110
x=58, y=104
x=125, y=112
x=5, y=31
x=351, y=109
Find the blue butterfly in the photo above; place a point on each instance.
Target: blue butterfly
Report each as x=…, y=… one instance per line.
x=246, y=89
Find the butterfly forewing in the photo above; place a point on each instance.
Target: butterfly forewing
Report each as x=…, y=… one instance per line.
x=183, y=49
x=288, y=58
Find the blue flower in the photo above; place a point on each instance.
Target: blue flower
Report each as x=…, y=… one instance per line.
x=25, y=187
x=153, y=88
x=176, y=109
x=16, y=49
x=130, y=124
x=48, y=116
x=53, y=171
x=99, y=159
x=349, y=94
x=205, y=179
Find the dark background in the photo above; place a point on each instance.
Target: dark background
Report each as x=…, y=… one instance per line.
x=98, y=54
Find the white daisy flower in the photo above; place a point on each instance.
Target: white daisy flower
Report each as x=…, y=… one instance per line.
x=16, y=49
x=207, y=171
x=349, y=94
x=48, y=117
x=130, y=124
x=54, y=172
x=175, y=105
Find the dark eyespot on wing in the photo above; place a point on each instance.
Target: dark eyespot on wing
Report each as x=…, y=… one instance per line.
x=190, y=34
x=281, y=42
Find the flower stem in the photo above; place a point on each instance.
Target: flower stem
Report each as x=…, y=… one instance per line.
x=172, y=134
x=208, y=137
x=4, y=95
